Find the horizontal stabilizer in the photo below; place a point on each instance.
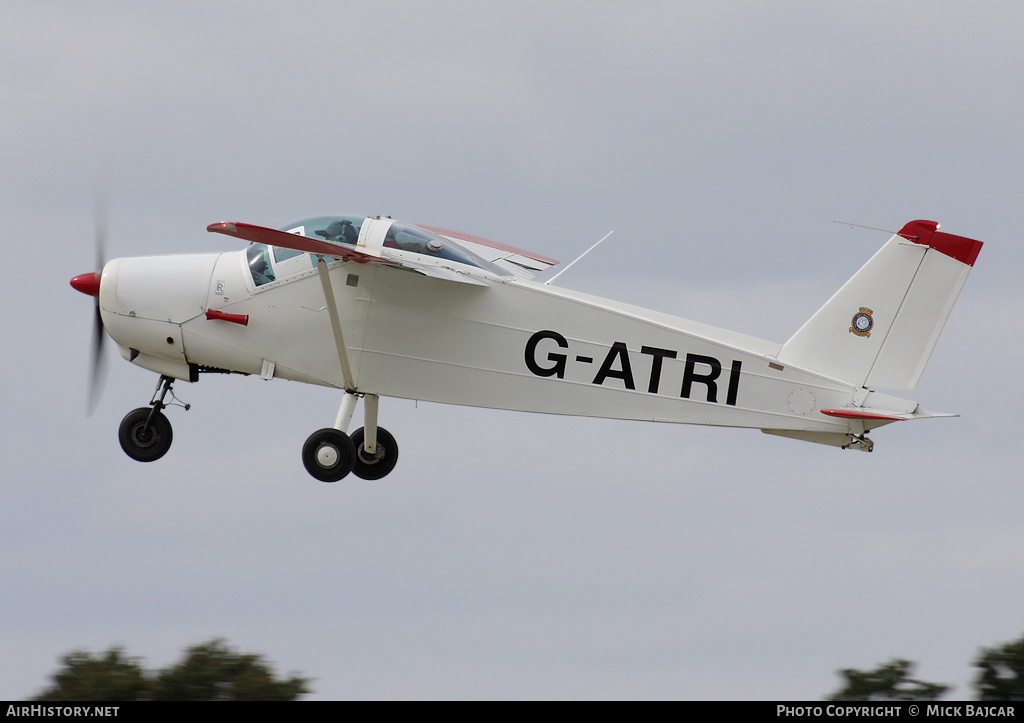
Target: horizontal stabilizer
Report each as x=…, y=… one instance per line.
x=876, y=417
x=868, y=418
x=865, y=415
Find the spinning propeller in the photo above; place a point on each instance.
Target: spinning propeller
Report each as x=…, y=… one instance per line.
x=90, y=284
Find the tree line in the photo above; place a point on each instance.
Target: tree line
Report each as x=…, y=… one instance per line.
x=209, y=671
x=999, y=676
x=215, y=671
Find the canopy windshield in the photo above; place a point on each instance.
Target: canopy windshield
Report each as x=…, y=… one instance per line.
x=403, y=236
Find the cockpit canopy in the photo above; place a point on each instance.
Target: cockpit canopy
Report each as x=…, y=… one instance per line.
x=347, y=230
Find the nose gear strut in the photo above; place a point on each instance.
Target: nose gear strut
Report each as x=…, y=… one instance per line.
x=145, y=434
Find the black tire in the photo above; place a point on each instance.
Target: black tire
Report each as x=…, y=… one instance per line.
x=381, y=464
x=142, y=442
x=328, y=455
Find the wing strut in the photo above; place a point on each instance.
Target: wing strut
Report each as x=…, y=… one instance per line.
x=332, y=310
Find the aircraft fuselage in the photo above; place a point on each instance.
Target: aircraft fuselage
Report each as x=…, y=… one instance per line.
x=508, y=344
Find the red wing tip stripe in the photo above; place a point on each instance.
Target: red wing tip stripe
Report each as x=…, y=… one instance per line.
x=961, y=248
x=858, y=414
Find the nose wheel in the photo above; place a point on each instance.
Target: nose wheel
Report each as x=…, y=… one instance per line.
x=145, y=434
x=371, y=453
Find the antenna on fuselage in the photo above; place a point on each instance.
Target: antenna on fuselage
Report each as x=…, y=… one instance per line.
x=569, y=266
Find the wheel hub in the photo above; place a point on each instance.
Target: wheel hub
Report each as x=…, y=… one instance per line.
x=367, y=458
x=327, y=455
x=142, y=435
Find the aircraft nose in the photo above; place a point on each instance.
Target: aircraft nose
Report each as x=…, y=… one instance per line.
x=87, y=283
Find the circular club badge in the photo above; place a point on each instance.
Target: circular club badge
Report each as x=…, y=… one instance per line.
x=862, y=322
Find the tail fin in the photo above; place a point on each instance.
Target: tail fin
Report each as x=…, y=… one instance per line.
x=880, y=328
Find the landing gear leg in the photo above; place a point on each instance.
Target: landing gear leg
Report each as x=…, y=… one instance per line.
x=328, y=454
x=345, y=411
x=381, y=461
x=370, y=453
x=145, y=434
x=376, y=449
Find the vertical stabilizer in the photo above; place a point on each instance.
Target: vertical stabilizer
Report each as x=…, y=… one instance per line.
x=880, y=328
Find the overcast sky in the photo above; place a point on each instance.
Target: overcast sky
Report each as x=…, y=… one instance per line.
x=513, y=555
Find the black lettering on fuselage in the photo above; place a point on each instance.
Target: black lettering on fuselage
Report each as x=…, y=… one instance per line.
x=658, y=355
x=697, y=368
x=734, y=383
x=624, y=372
x=557, y=369
x=690, y=375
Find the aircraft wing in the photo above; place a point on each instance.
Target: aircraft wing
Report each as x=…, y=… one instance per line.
x=274, y=237
x=283, y=239
x=522, y=264
x=439, y=272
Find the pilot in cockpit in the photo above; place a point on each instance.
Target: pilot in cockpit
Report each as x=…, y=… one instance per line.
x=342, y=231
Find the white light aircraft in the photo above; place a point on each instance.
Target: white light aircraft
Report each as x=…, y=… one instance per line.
x=380, y=308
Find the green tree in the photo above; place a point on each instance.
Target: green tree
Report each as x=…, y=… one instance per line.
x=1001, y=672
x=110, y=676
x=213, y=671
x=210, y=671
x=890, y=681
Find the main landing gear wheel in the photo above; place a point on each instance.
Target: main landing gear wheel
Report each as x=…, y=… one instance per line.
x=142, y=438
x=328, y=455
x=380, y=463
